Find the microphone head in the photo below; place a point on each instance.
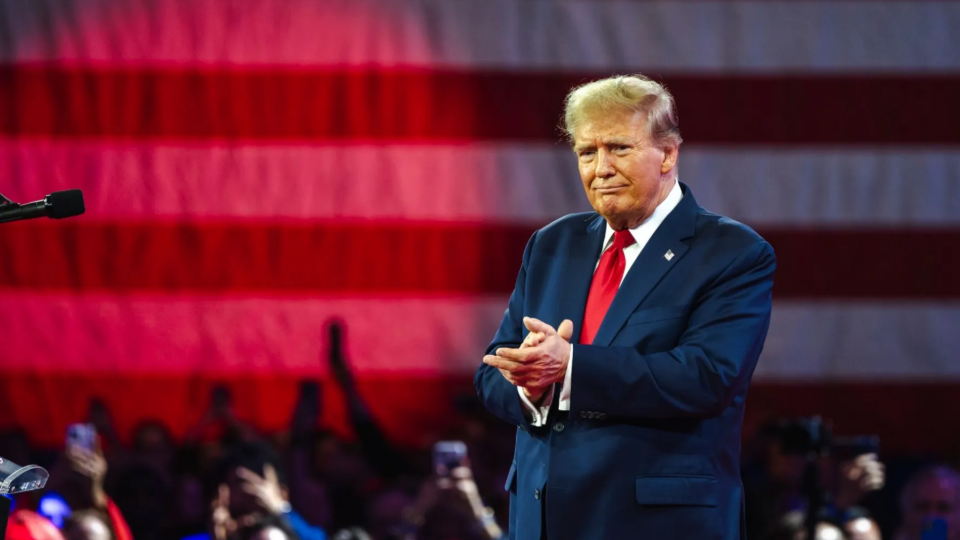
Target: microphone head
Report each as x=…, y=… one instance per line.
x=64, y=204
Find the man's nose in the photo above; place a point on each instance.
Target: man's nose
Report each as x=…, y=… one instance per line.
x=604, y=165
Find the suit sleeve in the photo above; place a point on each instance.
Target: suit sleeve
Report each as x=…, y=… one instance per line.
x=496, y=393
x=700, y=377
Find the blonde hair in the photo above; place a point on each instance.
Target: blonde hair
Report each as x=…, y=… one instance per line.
x=625, y=93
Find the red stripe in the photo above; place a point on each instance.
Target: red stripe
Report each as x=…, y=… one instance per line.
x=303, y=105
x=365, y=258
x=322, y=257
x=416, y=411
x=884, y=263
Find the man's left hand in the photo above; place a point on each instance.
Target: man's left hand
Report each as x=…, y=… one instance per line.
x=539, y=366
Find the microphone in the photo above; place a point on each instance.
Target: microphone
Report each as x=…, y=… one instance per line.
x=57, y=205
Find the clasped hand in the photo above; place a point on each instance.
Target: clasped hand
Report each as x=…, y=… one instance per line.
x=541, y=359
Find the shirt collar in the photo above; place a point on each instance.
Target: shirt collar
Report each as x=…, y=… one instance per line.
x=642, y=233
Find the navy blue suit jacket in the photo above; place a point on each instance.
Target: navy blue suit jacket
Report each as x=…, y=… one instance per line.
x=651, y=445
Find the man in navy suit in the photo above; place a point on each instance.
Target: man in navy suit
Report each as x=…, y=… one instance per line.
x=629, y=341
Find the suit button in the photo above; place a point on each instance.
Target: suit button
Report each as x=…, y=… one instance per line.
x=584, y=414
x=536, y=494
x=558, y=427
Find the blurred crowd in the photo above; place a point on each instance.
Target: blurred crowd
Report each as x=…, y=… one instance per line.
x=226, y=481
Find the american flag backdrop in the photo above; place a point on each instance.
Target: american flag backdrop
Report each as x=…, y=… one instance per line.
x=254, y=168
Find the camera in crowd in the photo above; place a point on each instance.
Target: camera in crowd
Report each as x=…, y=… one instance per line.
x=814, y=437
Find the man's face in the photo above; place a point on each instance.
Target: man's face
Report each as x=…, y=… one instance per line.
x=624, y=173
x=934, y=498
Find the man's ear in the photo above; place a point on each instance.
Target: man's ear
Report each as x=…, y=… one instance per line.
x=670, y=154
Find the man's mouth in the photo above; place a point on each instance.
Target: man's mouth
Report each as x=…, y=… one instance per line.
x=609, y=189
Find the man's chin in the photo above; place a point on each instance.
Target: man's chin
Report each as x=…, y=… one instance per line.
x=613, y=212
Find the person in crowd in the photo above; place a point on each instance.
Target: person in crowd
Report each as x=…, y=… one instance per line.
x=87, y=525
x=862, y=528
x=385, y=513
x=143, y=493
x=462, y=483
x=79, y=477
x=251, y=498
x=933, y=493
x=141, y=476
x=353, y=533
x=791, y=527
x=153, y=444
x=339, y=474
x=332, y=479
x=450, y=506
x=25, y=524
x=772, y=484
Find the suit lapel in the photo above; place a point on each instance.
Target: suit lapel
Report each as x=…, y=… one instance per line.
x=650, y=267
x=578, y=272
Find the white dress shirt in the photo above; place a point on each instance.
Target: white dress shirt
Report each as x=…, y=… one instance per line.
x=642, y=234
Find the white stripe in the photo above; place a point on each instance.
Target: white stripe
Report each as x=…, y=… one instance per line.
x=471, y=183
x=708, y=35
x=150, y=334
x=862, y=341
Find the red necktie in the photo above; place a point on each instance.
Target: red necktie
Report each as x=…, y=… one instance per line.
x=606, y=281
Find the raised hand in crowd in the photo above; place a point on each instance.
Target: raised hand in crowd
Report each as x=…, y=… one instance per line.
x=252, y=499
x=220, y=412
x=461, y=480
x=379, y=451
x=858, y=477
x=268, y=522
x=90, y=464
x=450, y=506
x=266, y=490
x=222, y=523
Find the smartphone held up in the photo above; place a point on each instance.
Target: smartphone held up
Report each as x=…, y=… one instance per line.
x=81, y=436
x=448, y=455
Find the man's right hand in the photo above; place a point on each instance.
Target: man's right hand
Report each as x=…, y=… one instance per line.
x=533, y=339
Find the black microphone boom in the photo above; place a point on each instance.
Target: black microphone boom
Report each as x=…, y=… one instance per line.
x=57, y=205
